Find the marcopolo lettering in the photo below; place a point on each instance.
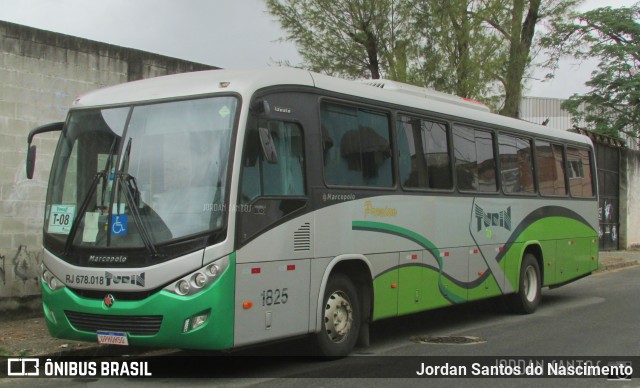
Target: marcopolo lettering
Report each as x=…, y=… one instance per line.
x=501, y=218
x=107, y=259
x=137, y=280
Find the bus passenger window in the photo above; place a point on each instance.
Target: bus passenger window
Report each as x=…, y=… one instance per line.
x=516, y=166
x=579, y=171
x=550, y=164
x=357, y=147
x=424, y=154
x=475, y=163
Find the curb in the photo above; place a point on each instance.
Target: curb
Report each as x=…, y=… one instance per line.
x=623, y=264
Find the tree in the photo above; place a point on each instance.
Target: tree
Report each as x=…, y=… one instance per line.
x=613, y=35
x=465, y=47
x=358, y=38
x=457, y=52
x=516, y=21
x=520, y=36
x=424, y=42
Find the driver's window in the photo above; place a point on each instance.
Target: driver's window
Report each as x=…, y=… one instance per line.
x=284, y=178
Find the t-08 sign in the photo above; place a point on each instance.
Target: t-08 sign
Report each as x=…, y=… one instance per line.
x=61, y=218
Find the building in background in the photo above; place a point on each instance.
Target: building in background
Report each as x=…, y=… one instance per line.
x=618, y=164
x=540, y=109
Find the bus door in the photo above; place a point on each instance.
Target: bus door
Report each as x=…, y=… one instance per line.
x=274, y=232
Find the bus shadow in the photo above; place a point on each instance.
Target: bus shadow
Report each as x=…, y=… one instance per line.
x=392, y=329
x=295, y=356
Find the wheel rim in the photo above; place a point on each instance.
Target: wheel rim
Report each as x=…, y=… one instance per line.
x=530, y=284
x=338, y=316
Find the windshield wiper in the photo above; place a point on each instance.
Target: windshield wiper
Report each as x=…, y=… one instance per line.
x=104, y=175
x=132, y=199
x=107, y=168
x=128, y=184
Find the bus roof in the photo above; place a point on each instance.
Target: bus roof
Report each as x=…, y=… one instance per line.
x=248, y=82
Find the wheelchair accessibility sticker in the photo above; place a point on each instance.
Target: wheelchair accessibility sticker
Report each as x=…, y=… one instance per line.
x=119, y=225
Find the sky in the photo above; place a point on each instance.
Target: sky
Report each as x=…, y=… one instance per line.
x=233, y=34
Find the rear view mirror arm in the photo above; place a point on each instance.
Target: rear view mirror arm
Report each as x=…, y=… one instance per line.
x=31, y=149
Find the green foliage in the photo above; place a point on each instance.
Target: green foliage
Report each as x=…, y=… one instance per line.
x=458, y=52
x=613, y=35
x=358, y=38
x=471, y=48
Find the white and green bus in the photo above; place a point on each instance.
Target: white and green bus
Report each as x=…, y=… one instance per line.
x=221, y=209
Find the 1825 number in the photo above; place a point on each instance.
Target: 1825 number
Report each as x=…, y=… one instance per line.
x=273, y=297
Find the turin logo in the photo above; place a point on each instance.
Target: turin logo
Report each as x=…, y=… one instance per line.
x=135, y=279
x=502, y=218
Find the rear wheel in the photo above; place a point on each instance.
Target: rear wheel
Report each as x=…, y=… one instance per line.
x=527, y=299
x=341, y=318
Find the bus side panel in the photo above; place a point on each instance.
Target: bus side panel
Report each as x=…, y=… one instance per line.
x=385, y=284
x=434, y=297
x=452, y=281
x=478, y=270
x=572, y=242
x=272, y=300
x=510, y=264
x=584, y=258
x=549, y=254
x=575, y=258
x=410, y=295
x=318, y=269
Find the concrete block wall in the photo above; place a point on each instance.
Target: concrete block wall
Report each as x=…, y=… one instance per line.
x=41, y=73
x=629, y=199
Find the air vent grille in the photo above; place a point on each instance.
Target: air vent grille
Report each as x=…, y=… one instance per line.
x=132, y=324
x=302, y=238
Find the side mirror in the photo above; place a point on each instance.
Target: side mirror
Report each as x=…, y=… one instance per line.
x=31, y=149
x=31, y=161
x=268, y=147
x=261, y=107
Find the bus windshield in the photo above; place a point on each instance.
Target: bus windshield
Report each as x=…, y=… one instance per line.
x=140, y=176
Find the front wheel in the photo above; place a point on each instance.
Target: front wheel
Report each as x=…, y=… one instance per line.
x=527, y=299
x=341, y=318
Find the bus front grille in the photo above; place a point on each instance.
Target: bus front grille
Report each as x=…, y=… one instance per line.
x=132, y=324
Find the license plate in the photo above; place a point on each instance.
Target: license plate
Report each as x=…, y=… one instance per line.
x=113, y=338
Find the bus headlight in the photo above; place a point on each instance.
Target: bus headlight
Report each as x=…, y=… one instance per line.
x=213, y=269
x=51, y=281
x=183, y=287
x=200, y=279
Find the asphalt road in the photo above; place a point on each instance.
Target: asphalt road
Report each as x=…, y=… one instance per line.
x=596, y=316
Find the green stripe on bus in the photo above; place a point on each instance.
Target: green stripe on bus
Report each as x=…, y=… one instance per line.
x=419, y=239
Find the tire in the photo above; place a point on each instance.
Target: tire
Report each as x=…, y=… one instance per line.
x=341, y=319
x=527, y=299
